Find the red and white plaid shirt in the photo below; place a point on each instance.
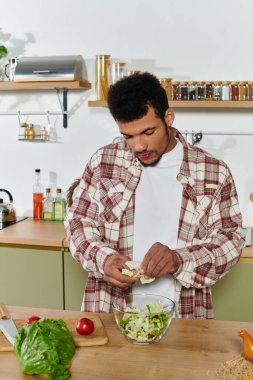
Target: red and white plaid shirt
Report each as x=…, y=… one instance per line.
x=100, y=222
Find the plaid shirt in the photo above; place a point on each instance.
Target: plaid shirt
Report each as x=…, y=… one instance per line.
x=100, y=222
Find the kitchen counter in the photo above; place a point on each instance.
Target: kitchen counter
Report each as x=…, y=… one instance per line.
x=50, y=234
x=35, y=233
x=191, y=349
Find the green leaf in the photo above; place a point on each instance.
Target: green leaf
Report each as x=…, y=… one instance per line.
x=3, y=51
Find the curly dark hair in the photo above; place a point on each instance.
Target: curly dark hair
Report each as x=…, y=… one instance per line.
x=130, y=97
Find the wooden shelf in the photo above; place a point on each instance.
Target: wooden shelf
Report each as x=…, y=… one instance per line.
x=43, y=85
x=192, y=104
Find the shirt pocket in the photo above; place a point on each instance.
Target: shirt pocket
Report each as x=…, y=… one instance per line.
x=201, y=215
x=111, y=202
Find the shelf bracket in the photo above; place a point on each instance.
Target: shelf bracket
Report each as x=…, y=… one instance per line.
x=64, y=105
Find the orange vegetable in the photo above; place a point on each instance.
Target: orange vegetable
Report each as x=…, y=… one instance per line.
x=247, y=344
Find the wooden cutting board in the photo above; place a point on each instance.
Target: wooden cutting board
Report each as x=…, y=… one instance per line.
x=97, y=338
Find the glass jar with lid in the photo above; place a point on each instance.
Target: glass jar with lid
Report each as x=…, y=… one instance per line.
x=132, y=72
x=201, y=90
x=209, y=90
x=217, y=90
x=234, y=91
x=192, y=90
x=102, y=76
x=167, y=85
x=250, y=90
x=175, y=90
x=225, y=90
x=243, y=93
x=183, y=90
x=30, y=132
x=22, y=131
x=117, y=71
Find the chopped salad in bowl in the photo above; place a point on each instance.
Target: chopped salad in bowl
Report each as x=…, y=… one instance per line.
x=144, y=318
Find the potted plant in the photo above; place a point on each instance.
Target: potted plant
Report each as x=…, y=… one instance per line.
x=3, y=51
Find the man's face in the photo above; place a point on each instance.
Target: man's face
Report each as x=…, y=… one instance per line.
x=148, y=137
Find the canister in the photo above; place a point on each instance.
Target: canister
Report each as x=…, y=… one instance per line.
x=191, y=90
x=117, y=70
x=175, y=90
x=250, y=90
x=200, y=90
x=217, y=90
x=102, y=76
x=209, y=90
x=234, y=91
x=183, y=90
x=243, y=93
x=225, y=90
x=167, y=85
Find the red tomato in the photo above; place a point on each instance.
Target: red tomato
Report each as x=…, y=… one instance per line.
x=32, y=319
x=85, y=326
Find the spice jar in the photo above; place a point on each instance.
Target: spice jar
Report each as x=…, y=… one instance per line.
x=22, y=130
x=183, y=91
x=234, y=91
x=209, y=90
x=117, y=71
x=243, y=91
x=250, y=90
x=132, y=72
x=175, y=90
x=102, y=74
x=191, y=90
x=217, y=90
x=30, y=132
x=200, y=90
x=167, y=85
x=225, y=90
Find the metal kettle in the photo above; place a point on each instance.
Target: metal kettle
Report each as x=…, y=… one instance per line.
x=7, y=211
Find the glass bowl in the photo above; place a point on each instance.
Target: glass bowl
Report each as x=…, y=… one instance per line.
x=144, y=318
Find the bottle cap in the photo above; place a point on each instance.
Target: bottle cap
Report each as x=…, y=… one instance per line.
x=58, y=190
x=37, y=170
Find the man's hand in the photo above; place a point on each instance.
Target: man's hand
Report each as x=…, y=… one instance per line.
x=112, y=272
x=159, y=260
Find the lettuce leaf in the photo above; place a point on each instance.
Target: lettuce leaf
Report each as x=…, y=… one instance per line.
x=45, y=348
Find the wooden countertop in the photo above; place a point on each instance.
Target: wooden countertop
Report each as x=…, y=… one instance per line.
x=52, y=234
x=191, y=349
x=34, y=232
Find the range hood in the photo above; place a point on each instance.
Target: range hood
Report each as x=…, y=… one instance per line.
x=52, y=68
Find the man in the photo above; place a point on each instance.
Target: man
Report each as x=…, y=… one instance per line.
x=156, y=199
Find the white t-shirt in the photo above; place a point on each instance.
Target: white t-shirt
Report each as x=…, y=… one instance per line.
x=157, y=211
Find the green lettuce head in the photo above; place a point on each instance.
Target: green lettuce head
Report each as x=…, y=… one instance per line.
x=45, y=348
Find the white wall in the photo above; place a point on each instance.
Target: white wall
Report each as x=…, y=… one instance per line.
x=191, y=40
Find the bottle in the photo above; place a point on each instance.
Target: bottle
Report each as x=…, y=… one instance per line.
x=59, y=206
x=37, y=196
x=44, y=134
x=47, y=206
x=30, y=132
